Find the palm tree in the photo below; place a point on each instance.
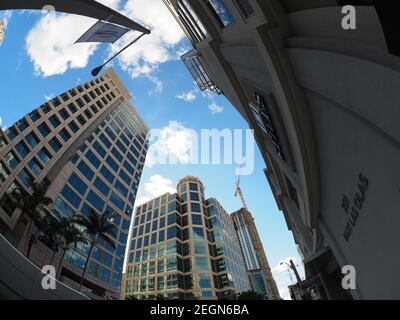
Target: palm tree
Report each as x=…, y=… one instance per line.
x=69, y=234
x=97, y=226
x=33, y=205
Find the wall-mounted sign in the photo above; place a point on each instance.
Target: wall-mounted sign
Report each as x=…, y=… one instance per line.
x=352, y=206
x=263, y=117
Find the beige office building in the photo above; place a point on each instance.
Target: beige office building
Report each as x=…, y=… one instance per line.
x=184, y=247
x=90, y=144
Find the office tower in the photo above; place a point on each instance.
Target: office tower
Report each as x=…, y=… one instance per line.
x=255, y=259
x=90, y=144
x=184, y=247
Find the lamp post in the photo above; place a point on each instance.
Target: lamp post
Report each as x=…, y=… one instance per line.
x=97, y=70
x=293, y=267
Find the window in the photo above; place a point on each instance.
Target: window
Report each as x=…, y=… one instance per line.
x=35, y=167
x=55, y=101
x=125, y=177
x=205, y=282
x=22, y=149
x=44, y=156
x=11, y=134
x=107, y=174
x=64, y=114
x=11, y=160
x=32, y=139
x=22, y=125
x=54, y=121
x=147, y=229
x=101, y=186
x=171, y=233
x=198, y=233
x=3, y=172
x=72, y=108
x=93, y=159
x=77, y=184
x=25, y=178
x=162, y=222
x=191, y=21
x=201, y=264
x=64, y=135
x=87, y=172
x=55, y=145
x=35, y=116
x=153, y=238
x=71, y=196
x=99, y=149
x=221, y=12
x=245, y=8
x=193, y=186
x=155, y=225
x=117, y=201
x=172, y=263
x=194, y=196
x=95, y=201
x=197, y=219
x=81, y=120
x=171, y=219
x=200, y=247
x=73, y=126
x=112, y=164
x=195, y=207
x=45, y=108
x=44, y=130
x=63, y=208
x=161, y=236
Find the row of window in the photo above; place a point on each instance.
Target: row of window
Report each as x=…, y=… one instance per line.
x=220, y=11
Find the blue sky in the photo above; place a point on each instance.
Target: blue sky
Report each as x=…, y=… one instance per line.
x=39, y=60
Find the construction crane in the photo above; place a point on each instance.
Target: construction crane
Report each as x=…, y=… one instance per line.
x=239, y=191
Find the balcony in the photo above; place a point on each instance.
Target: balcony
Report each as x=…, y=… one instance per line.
x=199, y=74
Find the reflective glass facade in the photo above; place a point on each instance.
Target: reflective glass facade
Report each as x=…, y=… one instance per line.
x=184, y=247
x=90, y=144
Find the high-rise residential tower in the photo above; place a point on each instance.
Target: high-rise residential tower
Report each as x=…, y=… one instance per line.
x=255, y=259
x=184, y=247
x=90, y=144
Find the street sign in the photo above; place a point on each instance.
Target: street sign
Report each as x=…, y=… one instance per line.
x=103, y=32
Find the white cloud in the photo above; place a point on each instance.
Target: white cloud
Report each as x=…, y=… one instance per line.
x=5, y=17
x=159, y=86
x=284, y=293
x=215, y=108
x=51, y=43
x=1, y=121
x=49, y=97
x=144, y=57
x=153, y=188
x=188, y=96
x=174, y=142
x=53, y=51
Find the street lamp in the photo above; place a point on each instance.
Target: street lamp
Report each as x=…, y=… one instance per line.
x=97, y=70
